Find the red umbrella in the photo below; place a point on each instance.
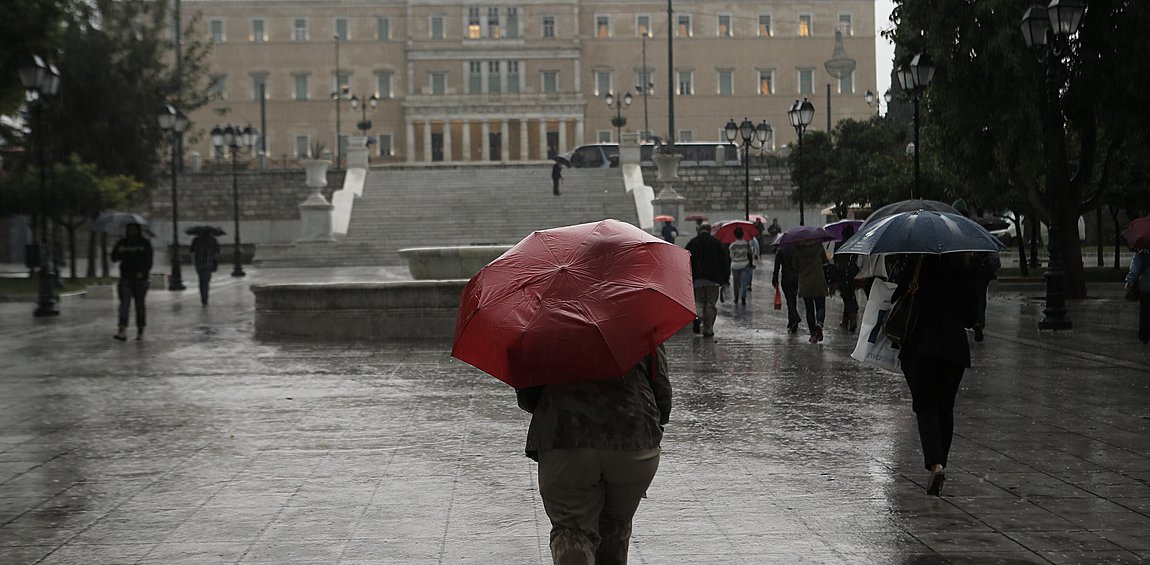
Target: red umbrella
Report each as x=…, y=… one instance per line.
x=726, y=232
x=1137, y=234
x=664, y=218
x=574, y=303
x=758, y=217
x=697, y=218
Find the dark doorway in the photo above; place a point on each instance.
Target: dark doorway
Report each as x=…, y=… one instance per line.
x=552, y=144
x=436, y=146
x=496, y=140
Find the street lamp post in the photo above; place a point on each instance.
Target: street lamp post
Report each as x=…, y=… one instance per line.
x=750, y=137
x=1047, y=31
x=645, y=88
x=618, y=121
x=237, y=139
x=914, y=79
x=872, y=100
x=364, y=123
x=174, y=122
x=801, y=115
x=40, y=80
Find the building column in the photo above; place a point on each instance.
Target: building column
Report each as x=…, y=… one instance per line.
x=562, y=136
x=410, y=142
x=523, y=139
x=447, y=156
x=579, y=132
x=427, y=141
x=504, y=141
x=485, y=131
x=543, y=137
x=465, y=142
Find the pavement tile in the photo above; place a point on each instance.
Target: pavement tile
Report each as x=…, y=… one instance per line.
x=196, y=552
x=98, y=554
x=1079, y=557
x=269, y=551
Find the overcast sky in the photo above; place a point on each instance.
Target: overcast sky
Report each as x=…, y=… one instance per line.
x=884, y=51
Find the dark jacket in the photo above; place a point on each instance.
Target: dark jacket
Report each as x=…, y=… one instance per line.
x=135, y=257
x=205, y=248
x=945, y=303
x=785, y=268
x=709, y=259
x=626, y=413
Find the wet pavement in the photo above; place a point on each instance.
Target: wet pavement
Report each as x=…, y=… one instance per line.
x=201, y=444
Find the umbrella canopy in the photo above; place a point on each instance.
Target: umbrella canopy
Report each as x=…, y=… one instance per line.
x=725, y=232
x=802, y=234
x=697, y=218
x=114, y=223
x=214, y=231
x=561, y=160
x=910, y=206
x=664, y=218
x=758, y=217
x=575, y=303
x=920, y=232
x=1137, y=234
x=837, y=229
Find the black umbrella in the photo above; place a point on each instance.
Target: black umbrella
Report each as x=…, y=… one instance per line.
x=561, y=160
x=114, y=223
x=910, y=206
x=205, y=230
x=920, y=232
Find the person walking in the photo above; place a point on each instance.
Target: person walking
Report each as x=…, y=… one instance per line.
x=669, y=232
x=774, y=229
x=785, y=273
x=845, y=269
x=134, y=253
x=1136, y=278
x=809, y=260
x=556, y=176
x=205, y=250
x=597, y=445
x=985, y=270
x=935, y=353
x=710, y=270
x=739, y=253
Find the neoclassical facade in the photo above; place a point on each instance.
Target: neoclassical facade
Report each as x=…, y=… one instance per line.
x=463, y=81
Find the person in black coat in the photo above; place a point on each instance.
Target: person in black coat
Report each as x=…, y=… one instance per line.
x=785, y=273
x=710, y=271
x=935, y=354
x=134, y=254
x=556, y=176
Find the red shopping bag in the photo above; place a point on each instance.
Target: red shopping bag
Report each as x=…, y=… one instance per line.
x=778, y=299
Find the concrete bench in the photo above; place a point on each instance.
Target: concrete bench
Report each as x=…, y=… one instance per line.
x=449, y=262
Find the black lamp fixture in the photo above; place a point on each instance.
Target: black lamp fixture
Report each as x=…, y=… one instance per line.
x=749, y=136
x=237, y=139
x=801, y=115
x=618, y=121
x=173, y=121
x=39, y=80
x=914, y=79
x=1048, y=32
x=372, y=102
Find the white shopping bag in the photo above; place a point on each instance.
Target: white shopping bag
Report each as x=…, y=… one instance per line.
x=873, y=347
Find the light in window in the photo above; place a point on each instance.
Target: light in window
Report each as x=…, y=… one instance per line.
x=805, y=25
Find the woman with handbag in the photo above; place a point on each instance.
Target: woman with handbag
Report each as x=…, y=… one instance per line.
x=1138, y=288
x=934, y=351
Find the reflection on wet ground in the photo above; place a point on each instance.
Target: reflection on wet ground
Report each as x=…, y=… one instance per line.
x=202, y=445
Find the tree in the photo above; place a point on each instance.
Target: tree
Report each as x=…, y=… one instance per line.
x=28, y=26
x=988, y=101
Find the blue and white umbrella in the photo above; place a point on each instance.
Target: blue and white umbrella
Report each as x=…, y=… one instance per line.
x=920, y=232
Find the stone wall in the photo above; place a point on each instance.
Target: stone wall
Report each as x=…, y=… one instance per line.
x=714, y=189
x=266, y=195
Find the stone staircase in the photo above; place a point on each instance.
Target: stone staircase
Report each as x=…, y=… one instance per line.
x=434, y=206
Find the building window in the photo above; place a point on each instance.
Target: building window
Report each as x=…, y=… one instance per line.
x=686, y=82
x=550, y=82
x=299, y=87
x=437, y=27
x=686, y=136
x=385, y=145
x=513, y=77
x=341, y=29
x=383, y=85
x=683, y=27
x=259, y=81
x=603, y=136
x=299, y=29
x=806, y=25
x=474, y=77
x=439, y=83
x=845, y=25
x=383, y=29
x=493, y=29
x=764, y=25
x=259, y=31
x=806, y=81
x=474, y=31
x=766, y=83
x=548, y=26
x=302, y=146
x=726, y=82
x=217, y=31
x=725, y=26
x=602, y=83
x=602, y=27
x=643, y=25
x=218, y=87
x=513, y=23
x=643, y=77
x=847, y=83
x=494, y=82
x=342, y=82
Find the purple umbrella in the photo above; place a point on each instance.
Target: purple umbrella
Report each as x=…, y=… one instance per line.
x=836, y=229
x=803, y=234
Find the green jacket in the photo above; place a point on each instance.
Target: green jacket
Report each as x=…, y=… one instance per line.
x=809, y=260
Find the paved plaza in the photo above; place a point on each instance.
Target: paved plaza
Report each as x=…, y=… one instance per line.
x=204, y=444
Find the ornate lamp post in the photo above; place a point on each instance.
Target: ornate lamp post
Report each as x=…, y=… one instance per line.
x=1047, y=31
x=364, y=123
x=645, y=88
x=40, y=80
x=801, y=115
x=618, y=121
x=914, y=79
x=750, y=137
x=237, y=140
x=175, y=123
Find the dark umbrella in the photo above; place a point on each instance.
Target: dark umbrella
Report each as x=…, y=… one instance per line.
x=213, y=231
x=575, y=303
x=802, y=234
x=920, y=232
x=114, y=223
x=910, y=206
x=561, y=160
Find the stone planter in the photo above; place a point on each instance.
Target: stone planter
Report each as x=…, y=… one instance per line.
x=316, y=170
x=453, y=262
x=668, y=166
